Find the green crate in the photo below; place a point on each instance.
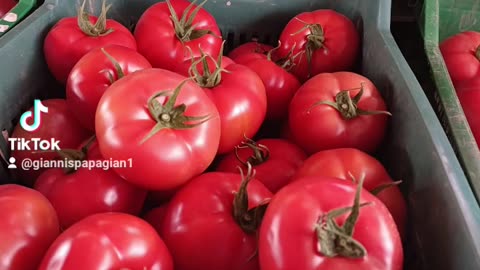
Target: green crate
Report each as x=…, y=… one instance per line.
x=440, y=19
x=16, y=15
x=444, y=216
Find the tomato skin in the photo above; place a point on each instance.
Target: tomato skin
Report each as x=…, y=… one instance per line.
x=106, y=241
x=249, y=47
x=322, y=127
x=28, y=226
x=156, y=217
x=458, y=52
x=158, y=42
x=287, y=240
x=60, y=124
x=66, y=43
x=89, y=79
x=344, y=163
x=468, y=93
x=280, y=85
x=199, y=228
x=178, y=154
x=342, y=42
x=88, y=191
x=276, y=171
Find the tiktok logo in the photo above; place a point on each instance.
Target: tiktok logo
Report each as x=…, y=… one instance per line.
x=38, y=108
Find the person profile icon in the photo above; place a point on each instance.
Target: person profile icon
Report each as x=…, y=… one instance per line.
x=12, y=161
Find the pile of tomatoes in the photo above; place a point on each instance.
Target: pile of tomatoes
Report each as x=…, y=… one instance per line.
x=461, y=53
x=205, y=189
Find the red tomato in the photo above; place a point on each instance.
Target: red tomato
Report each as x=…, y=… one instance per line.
x=156, y=217
x=69, y=40
x=275, y=161
x=280, y=85
x=58, y=124
x=250, y=47
x=88, y=191
x=346, y=163
x=328, y=40
x=210, y=223
x=461, y=53
x=28, y=226
x=178, y=134
x=166, y=37
x=301, y=230
x=6, y=6
x=239, y=95
x=108, y=241
x=94, y=73
x=341, y=121
x=468, y=93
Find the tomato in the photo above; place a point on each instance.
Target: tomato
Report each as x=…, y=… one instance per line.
x=167, y=121
x=275, y=161
x=250, y=47
x=468, y=93
x=108, y=241
x=239, y=95
x=338, y=110
x=85, y=191
x=6, y=6
x=461, y=54
x=306, y=227
x=28, y=226
x=280, y=85
x=211, y=222
x=346, y=163
x=58, y=124
x=327, y=40
x=71, y=38
x=94, y=73
x=172, y=32
x=156, y=217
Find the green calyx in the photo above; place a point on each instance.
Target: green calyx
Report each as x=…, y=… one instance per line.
x=248, y=219
x=260, y=152
x=287, y=62
x=100, y=27
x=118, y=68
x=184, y=27
x=477, y=53
x=207, y=79
x=170, y=115
x=348, y=106
x=73, y=154
x=335, y=240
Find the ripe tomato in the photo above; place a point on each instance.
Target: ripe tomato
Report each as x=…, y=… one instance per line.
x=250, y=47
x=94, y=73
x=171, y=32
x=57, y=124
x=306, y=227
x=28, y=226
x=87, y=191
x=156, y=217
x=108, y=241
x=280, y=85
x=239, y=95
x=177, y=130
x=275, y=161
x=71, y=38
x=468, y=93
x=461, y=53
x=211, y=223
x=338, y=110
x=328, y=40
x=345, y=163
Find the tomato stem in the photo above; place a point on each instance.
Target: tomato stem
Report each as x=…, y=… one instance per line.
x=100, y=26
x=207, y=79
x=248, y=219
x=477, y=53
x=335, y=240
x=169, y=115
x=348, y=106
x=184, y=27
x=383, y=187
x=261, y=153
x=118, y=68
